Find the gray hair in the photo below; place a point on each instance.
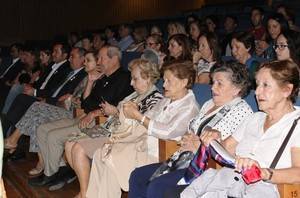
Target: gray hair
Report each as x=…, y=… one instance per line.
x=114, y=51
x=239, y=75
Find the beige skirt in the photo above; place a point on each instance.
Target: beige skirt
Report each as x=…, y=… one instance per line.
x=90, y=145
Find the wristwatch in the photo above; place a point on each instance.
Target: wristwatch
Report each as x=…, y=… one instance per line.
x=270, y=171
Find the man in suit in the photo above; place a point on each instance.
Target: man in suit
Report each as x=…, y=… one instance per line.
x=43, y=88
x=66, y=88
x=9, y=75
x=112, y=85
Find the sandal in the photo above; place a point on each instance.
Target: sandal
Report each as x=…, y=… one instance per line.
x=9, y=146
x=36, y=171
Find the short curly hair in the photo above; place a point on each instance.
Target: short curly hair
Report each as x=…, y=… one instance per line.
x=148, y=69
x=239, y=75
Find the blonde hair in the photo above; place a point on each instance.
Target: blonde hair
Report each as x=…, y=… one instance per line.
x=148, y=69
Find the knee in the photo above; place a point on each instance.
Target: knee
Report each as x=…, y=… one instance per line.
x=77, y=150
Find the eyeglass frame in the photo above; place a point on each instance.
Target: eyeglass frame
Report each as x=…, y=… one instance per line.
x=280, y=46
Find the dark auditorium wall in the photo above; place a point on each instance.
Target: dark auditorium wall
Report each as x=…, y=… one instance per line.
x=41, y=19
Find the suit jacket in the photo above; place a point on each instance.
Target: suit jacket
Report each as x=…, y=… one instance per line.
x=54, y=82
x=69, y=87
x=13, y=72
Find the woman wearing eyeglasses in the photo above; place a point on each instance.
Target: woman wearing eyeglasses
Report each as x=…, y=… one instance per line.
x=155, y=42
x=287, y=46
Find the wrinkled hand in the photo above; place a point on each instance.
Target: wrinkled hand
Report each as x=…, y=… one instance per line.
x=108, y=109
x=28, y=90
x=130, y=110
x=209, y=135
x=190, y=142
x=244, y=163
x=86, y=120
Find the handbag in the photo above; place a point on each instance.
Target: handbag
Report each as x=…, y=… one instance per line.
x=182, y=159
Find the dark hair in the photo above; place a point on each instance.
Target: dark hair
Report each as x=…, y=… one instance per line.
x=81, y=51
x=284, y=72
x=65, y=48
x=239, y=75
x=182, y=41
x=284, y=26
x=182, y=70
x=293, y=42
x=234, y=18
x=87, y=36
x=214, y=19
x=247, y=39
x=213, y=44
x=202, y=28
x=18, y=46
x=259, y=9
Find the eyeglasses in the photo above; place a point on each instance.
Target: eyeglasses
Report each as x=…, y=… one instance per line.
x=280, y=46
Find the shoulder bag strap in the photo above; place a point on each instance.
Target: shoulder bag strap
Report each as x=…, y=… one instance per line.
x=284, y=143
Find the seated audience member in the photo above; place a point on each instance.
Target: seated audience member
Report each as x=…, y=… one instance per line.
x=258, y=29
x=167, y=120
x=43, y=88
x=79, y=152
x=156, y=43
x=156, y=30
x=125, y=31
x=208, y=54
x=242, y=48
x=211, y=23
x=73, y=39
x=31, y=73
x=259, y=138
x=289, y=15
x=87, y=42
x=191, y=18
x=230, y=83
x=67, y=87
x=195, y=30
x=175, y=28
x=112, y=85
x=110, y=36
x=140, y=34
x=230, y=26
x=287, y=46
x=275, y=25
x=179, y=48
x=99, y=40
x=10, y=73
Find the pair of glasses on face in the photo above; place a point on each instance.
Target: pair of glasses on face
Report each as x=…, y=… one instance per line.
x=280, y=46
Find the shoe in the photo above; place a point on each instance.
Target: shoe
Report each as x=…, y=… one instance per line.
x=16, y=156
x=42, y=180
x=65, y=176
x=57, y=185
x=36, y=171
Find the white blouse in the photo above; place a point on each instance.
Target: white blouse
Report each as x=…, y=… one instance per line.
x=262, y=146
x=239, y=111
x=169, y=120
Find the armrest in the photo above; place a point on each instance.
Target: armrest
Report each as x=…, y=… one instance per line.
x=289, y=190
x=166, y=149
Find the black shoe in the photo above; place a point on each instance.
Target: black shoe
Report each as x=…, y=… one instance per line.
x=42, y=180
x=15, y=156
x=65, y=176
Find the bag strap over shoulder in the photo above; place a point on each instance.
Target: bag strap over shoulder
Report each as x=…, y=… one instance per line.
x=284, y=143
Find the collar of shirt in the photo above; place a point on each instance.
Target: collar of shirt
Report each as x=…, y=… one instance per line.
x=15, y=60
x=177, y=102
x=57, y=65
